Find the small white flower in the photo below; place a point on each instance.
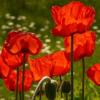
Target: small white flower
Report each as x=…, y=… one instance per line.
x=47, y=40
x=27, y=95
x=26, y=64
x=38, y=35
x=18, y=25
x=2, y=99
x=4, y=27
x=25, y=28
x=62, y=49
x=20, y=29
x=12, y=17
x=98, y=31
x=31, y=25
x=32, y=91
x=58, y=42
x=95, y=27
x=62, y=99
x=33, y=33
x=7, y=15
x=58, y=46
x=10, y=23
x=42, y=29
x=21, y=18
x=48, y=52
x=45, y=45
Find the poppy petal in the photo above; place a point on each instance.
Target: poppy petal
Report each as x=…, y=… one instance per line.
x=40, y=67
x=10, y=82
x=94, y=74
x=74, y=17
x=60, y=63
x=13, y=61
x=4, y=69
x=84, y=45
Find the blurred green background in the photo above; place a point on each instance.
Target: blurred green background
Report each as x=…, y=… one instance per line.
x=35, y=16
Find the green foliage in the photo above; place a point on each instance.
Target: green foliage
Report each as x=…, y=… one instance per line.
x=35, y=16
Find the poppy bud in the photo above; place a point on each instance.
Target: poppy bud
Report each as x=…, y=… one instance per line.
x=50, y=90
x=65, y=87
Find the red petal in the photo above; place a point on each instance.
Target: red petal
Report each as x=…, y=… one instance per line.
x=4, y=69
x=23, y=42
x=10, y=82
x=74, y=17
x=60, y=63
x=40, y=67
x=13, y=61
x=84, y=45
x=94, y=74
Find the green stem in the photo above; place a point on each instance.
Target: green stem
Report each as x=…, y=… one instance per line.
x=60, y=79
x=72, y=60
x=46, y=78
x=17, y=78
x=66, y=96
x=83, y=77
x=40, y=97
x=60, y=84
x=20, y=95
x=23, y=71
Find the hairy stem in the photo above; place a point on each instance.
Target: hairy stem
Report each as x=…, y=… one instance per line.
x=17, y=78
x=72, y=78
x=23, y=71
x=46, y=78
x=83, y=77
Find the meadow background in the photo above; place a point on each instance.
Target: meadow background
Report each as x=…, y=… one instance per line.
x=35, y=16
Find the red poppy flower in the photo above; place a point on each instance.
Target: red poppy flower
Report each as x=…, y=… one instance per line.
x=60, y=63
x=4, y=69
x=74, y=17
x=84, y=45
x=10, y=82
x=13, y=61
x=17, y=42
x=94, y=74
x=51, y=65
x=40, y=67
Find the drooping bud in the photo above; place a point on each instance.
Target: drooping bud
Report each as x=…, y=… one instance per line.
x=65, y=87
x=50, y=90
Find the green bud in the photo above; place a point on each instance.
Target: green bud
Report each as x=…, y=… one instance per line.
x=65, y=87
x=50, y=90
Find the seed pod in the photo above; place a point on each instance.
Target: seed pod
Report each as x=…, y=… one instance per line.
x=50, y=90
x=65, y=87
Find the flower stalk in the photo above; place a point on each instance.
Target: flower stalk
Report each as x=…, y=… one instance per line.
x=66, y=96
x=23, y=71
x=46, y=78
x=40, y=97
x=17, y=78
x=83, y=77
x=20, y=95
x=72, y=60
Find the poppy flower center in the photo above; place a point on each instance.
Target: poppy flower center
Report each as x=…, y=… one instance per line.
x=24, y=46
